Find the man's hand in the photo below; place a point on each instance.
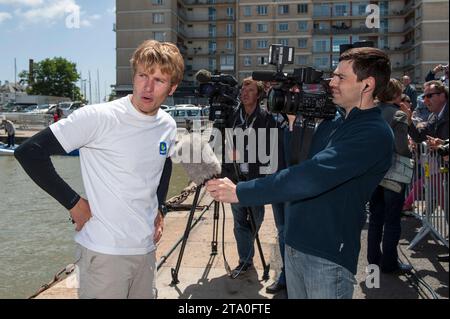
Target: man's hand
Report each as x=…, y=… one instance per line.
x=80, y=213
x=222, y=190
x=434, y=142
x=159, y=226
x=438, y=68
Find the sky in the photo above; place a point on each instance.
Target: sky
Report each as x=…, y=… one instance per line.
x=79, y=30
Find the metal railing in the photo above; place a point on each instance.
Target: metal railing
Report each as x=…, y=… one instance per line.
x=429, y=195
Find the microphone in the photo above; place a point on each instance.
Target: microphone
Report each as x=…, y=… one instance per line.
x=197, y=158
x=204, y=76
x=264, y=75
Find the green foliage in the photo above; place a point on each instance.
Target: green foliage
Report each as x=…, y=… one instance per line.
x=55, y=77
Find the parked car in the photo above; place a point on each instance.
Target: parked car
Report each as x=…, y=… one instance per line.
x=184, y=113
x=40, y=109
x=68, y=107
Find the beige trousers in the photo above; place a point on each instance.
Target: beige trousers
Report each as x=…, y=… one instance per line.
x=116, y=276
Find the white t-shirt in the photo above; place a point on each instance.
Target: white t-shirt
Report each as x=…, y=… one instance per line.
x=122, y=155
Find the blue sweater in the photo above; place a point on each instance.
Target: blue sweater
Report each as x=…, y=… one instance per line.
x=327, y=193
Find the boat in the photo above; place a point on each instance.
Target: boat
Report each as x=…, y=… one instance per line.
x=7, y=151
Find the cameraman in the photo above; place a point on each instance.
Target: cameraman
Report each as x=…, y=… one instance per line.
x=249, y=117
x=326, y=194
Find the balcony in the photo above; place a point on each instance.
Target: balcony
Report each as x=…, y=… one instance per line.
x=207, y=2
x=340, y=30
x=207, y=34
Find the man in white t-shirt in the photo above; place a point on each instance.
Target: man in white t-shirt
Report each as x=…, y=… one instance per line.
x=125, y=149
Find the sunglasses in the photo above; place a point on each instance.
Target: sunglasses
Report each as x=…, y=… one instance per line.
x=429, y=95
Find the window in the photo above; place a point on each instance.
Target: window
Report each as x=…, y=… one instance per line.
x=262, y=27
x=158, y=2
x=230, y=12
x=302, y=43
x=212, y=14
x=302, y=60
x=212, y=30
x=229, y=45
x=261, y=60
x=302, y=8
x=341, y=9
x=247, y=44
x=322, y=45
x=282, y=27
x=159, y=36
x=247, y=11
x=322, y=62
x=261, y=10
x=283, y=9
x=359, y=8
x=229, y=30
x=212, y=47
x=321, y=10
x=321, y=25
x=247, y=60
x=262, y=44
x=284, y=42
x=302, y=25
x=247, y=27
x=227, y=62
x=158, y=18
x=337, y=41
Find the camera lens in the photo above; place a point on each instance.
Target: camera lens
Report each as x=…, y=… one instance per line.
x=276, y=100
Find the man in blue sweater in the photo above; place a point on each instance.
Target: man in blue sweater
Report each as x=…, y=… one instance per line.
x=326, y=194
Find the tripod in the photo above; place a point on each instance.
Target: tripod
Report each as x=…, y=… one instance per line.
x=220, y=125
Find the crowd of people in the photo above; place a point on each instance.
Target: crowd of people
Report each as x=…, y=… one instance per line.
x=319, y=204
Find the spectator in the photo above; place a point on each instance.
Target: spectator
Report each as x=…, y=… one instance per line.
x=436, y=99
x=410, y=91
x=438, y=68
x=10, y=129
x=386, y=204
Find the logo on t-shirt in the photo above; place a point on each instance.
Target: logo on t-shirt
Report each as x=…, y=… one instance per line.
x=163, y=148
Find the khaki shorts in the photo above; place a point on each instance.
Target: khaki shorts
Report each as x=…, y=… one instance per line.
x=116, y=276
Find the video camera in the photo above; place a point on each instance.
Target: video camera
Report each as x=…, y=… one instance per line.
x=222, y=91
x=288, y=95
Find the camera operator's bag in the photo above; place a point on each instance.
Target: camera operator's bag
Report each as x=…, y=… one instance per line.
x=401, y=171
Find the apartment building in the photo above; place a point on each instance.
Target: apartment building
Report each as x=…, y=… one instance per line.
x=233, y=36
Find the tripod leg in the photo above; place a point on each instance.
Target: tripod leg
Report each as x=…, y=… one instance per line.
x=215, y=229
x=185, y=236
x=266, y=267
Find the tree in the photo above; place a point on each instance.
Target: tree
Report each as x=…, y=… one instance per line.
x=54, y=77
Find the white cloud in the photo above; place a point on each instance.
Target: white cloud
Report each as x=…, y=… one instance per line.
x=49, y=12
x=4, y=16
x=30, y=3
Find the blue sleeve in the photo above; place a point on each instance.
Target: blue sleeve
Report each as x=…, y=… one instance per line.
x=350, y=157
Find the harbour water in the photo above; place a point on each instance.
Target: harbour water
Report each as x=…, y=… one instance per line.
x=36, y=236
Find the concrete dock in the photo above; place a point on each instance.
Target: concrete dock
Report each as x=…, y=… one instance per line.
x=204, y=276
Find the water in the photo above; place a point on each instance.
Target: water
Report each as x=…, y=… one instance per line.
x=36, y=236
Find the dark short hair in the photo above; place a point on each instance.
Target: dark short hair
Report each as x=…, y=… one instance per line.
x=369, y=62
x=438, y=86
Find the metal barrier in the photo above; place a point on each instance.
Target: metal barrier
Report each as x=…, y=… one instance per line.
x=429, y=192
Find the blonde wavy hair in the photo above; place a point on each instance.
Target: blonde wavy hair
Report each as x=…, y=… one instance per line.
x=165, y=55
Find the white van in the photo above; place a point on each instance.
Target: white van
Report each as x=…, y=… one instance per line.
x=185, y=113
